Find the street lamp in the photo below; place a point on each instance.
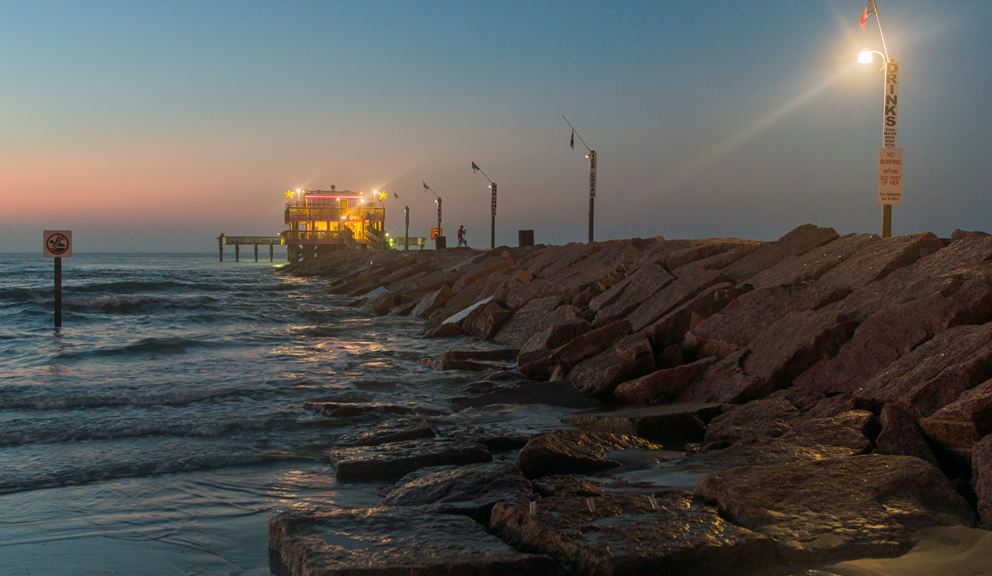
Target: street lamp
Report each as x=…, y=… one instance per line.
x=438, y=200
x=889, y=156
x=406, y=238
x=492, y=185
x=592, y=174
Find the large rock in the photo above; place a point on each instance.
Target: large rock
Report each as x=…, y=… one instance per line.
x=695, y=254
x=575, y=452
x=901, y=435
x=894, y=331
x=528, y=320
x=485, y=321
x=773, y=359
x=356, y=541
x=554, y=259
x=556, y=335
x=661, y=385
x=813, y=264
x=877, y=260
x=599, y=375
x=389, y=431
x=467, y=490
x=981, y=466
x=836, y=509
x=936, y=373
x=962, y=423
x=550, y=393
x=393, y=461
x=432, y=301
x=846, y=434
x=657, y=423
x=582, y=279
x=798, y=241
x=633, y=535
x=691, y=282
x=741, y=321
x=671, y=328
x=768, y=418
x=954, y=269
x=567, y=485
x=633, y=290
x=540, y=364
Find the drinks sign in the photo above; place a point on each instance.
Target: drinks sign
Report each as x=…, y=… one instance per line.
x=890, y=113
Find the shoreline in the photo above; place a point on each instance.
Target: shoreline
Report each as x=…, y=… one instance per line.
x=840, y=386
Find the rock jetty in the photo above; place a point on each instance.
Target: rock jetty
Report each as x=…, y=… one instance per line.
x=836, y=389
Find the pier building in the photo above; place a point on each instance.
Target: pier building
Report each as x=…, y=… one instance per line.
x=322, y=220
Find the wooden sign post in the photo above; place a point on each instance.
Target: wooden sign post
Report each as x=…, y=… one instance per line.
x=58, y=245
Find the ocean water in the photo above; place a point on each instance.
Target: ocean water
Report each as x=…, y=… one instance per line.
x=161, y=426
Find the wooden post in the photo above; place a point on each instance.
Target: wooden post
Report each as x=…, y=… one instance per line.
x=220, y=244
x=272, y=251
x=237, y=252
x=58, y=292
x=256, y=252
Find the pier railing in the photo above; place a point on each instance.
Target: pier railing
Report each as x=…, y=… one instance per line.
x=324, y=214
x=311, y=235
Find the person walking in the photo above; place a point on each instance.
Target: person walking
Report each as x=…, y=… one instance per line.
x=461, y=237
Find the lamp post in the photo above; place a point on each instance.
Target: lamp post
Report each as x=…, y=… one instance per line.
x=406, y=236
x=889, y=156
x=438, y=201
x=492, y=185
x=592, y=175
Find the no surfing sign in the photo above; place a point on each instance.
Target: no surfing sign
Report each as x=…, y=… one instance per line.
x=58, y=243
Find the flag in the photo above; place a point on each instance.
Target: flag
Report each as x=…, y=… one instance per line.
x=474, y=167
x=397, y=195
x=571, y=144
x=426, y=187
x=869, y=11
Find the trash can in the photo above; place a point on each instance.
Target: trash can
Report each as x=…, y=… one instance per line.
x=525, y=237
x=440, y=243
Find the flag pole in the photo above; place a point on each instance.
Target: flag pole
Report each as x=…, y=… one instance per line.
x=576, y=133
x=592, y=178
x=880, y=33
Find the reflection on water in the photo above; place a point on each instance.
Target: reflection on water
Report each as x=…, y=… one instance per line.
x=213, y=522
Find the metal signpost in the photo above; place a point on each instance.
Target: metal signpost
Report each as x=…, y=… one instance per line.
x=406, y=237
x=440, y=231
x=492, y=240
x=58, y=245
x=592, y=189
x=492, y=185
x=889, y=157
x=592, y=176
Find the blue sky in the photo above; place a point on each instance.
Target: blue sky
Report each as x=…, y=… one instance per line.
x=156, y=126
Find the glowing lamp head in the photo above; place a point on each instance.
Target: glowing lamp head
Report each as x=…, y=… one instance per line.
x=866, y=57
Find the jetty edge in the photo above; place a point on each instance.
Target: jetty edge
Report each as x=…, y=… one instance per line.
x=839, y=386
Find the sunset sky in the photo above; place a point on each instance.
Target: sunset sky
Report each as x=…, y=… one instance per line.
x=156, y=126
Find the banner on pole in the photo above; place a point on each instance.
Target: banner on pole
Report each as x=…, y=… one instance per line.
x=436, y=232
x=592, y=174
x=890, y=176
x=890, y=114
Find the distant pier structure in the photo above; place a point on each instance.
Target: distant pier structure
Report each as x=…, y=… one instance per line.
x=323, y=220
x=238, y=241
x=320, y=221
